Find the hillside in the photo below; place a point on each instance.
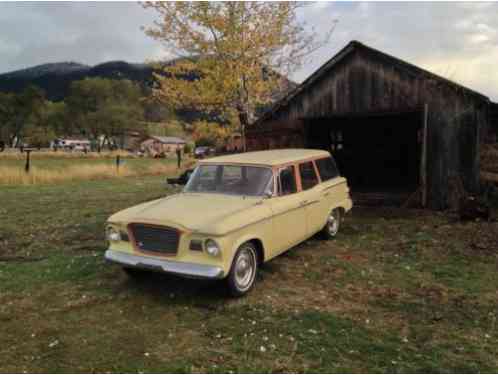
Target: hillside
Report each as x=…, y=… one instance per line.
x=55, y=78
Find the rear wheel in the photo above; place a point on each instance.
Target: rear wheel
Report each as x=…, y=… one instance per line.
x=241, y=278
x=333, y=224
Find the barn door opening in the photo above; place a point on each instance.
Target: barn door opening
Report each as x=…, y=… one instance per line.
x=376, y=153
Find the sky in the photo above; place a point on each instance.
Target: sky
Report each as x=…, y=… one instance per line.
x=456, y=40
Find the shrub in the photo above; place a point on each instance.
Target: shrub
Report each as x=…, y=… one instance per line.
x=187, y=149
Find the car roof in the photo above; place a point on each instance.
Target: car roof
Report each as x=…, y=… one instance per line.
x=269, y=157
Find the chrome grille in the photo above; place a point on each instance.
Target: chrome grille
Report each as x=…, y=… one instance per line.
x=163, y=240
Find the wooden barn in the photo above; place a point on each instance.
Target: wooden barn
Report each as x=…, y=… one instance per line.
x=392, y=127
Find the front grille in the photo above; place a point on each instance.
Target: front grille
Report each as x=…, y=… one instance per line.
x=163, y=240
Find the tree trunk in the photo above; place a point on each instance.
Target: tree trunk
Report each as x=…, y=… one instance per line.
x=243, y=118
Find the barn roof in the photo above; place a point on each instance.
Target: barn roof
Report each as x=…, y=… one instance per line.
x=169, y=140
x=341, y=55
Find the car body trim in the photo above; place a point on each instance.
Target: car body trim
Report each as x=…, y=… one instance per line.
x=162, y=265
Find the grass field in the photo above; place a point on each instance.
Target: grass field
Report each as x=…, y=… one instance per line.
x=50, y=167
x=397, y=291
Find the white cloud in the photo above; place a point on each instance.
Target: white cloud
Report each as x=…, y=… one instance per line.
x=458, y=39
x=478, y=38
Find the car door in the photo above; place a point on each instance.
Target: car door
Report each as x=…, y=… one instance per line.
x=288, y=214
x=333, y=187
x=312, y=196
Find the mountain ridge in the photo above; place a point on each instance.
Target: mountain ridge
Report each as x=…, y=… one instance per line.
x=55, y=78
x=37, y=70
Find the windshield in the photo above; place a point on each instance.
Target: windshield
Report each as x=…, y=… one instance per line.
x=230, y=179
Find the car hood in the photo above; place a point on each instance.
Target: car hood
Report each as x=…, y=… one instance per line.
x=190, y=211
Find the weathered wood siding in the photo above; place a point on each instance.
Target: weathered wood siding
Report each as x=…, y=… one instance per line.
x=365, y=82
x=493, y=123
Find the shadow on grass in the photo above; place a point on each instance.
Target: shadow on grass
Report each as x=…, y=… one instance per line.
x=174, y=289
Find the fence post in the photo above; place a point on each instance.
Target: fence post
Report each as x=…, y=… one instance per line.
x=26, y=167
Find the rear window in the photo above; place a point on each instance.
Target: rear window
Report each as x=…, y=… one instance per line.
x=327, y=168
x=308, y=175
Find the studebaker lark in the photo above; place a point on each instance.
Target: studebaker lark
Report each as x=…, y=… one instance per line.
x=235, y=213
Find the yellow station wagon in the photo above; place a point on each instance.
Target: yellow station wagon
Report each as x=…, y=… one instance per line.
x=235, y=213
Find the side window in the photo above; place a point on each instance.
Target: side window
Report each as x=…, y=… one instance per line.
x=208, y=172
x=327, y=168
x=287, y=181
x=308, y=175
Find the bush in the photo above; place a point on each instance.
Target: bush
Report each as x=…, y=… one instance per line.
x=187, y=149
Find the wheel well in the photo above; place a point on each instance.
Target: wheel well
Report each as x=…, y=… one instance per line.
x=259, y=249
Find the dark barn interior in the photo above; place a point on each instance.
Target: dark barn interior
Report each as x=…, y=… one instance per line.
x=376, y=153
x=394, y=128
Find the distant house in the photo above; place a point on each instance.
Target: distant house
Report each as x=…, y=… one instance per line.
x=157, y=146
x=131, y=141
x=71, y=144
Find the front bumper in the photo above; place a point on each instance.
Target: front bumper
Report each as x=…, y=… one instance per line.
x=180, y=268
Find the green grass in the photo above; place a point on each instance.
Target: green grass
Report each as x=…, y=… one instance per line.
x=397, y=291
x=53, y=163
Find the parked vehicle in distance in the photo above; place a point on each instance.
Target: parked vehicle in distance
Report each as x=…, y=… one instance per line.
x=202, y=151
x=236, y=212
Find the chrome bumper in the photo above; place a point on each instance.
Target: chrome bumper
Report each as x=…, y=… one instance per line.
x=161, y=265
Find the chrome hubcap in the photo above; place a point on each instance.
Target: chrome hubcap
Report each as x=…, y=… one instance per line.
x=245, y=269
x=333, y=223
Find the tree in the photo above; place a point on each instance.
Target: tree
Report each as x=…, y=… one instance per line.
x=232, y=55
x=56, y=117
x=52, y=120
x=20, y=112
x=209, y=134
x=7, y=115
x=173, y=128
x=100, y=106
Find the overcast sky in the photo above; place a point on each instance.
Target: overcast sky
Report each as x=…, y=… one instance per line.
x=456, y=40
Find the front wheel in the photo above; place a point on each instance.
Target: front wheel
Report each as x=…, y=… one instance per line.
x=333, y=224
x=241, y=278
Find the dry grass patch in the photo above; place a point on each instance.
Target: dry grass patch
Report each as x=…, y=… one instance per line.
x=14, y=175
x=17, y=155
x=17, y=176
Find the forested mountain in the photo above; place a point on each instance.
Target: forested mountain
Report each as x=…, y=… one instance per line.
x=55, y=78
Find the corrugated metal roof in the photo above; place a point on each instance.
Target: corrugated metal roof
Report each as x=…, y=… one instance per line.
x=174, y=140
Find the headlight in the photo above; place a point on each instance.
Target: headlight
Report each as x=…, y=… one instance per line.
x=212, y=247
x=113, y=234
